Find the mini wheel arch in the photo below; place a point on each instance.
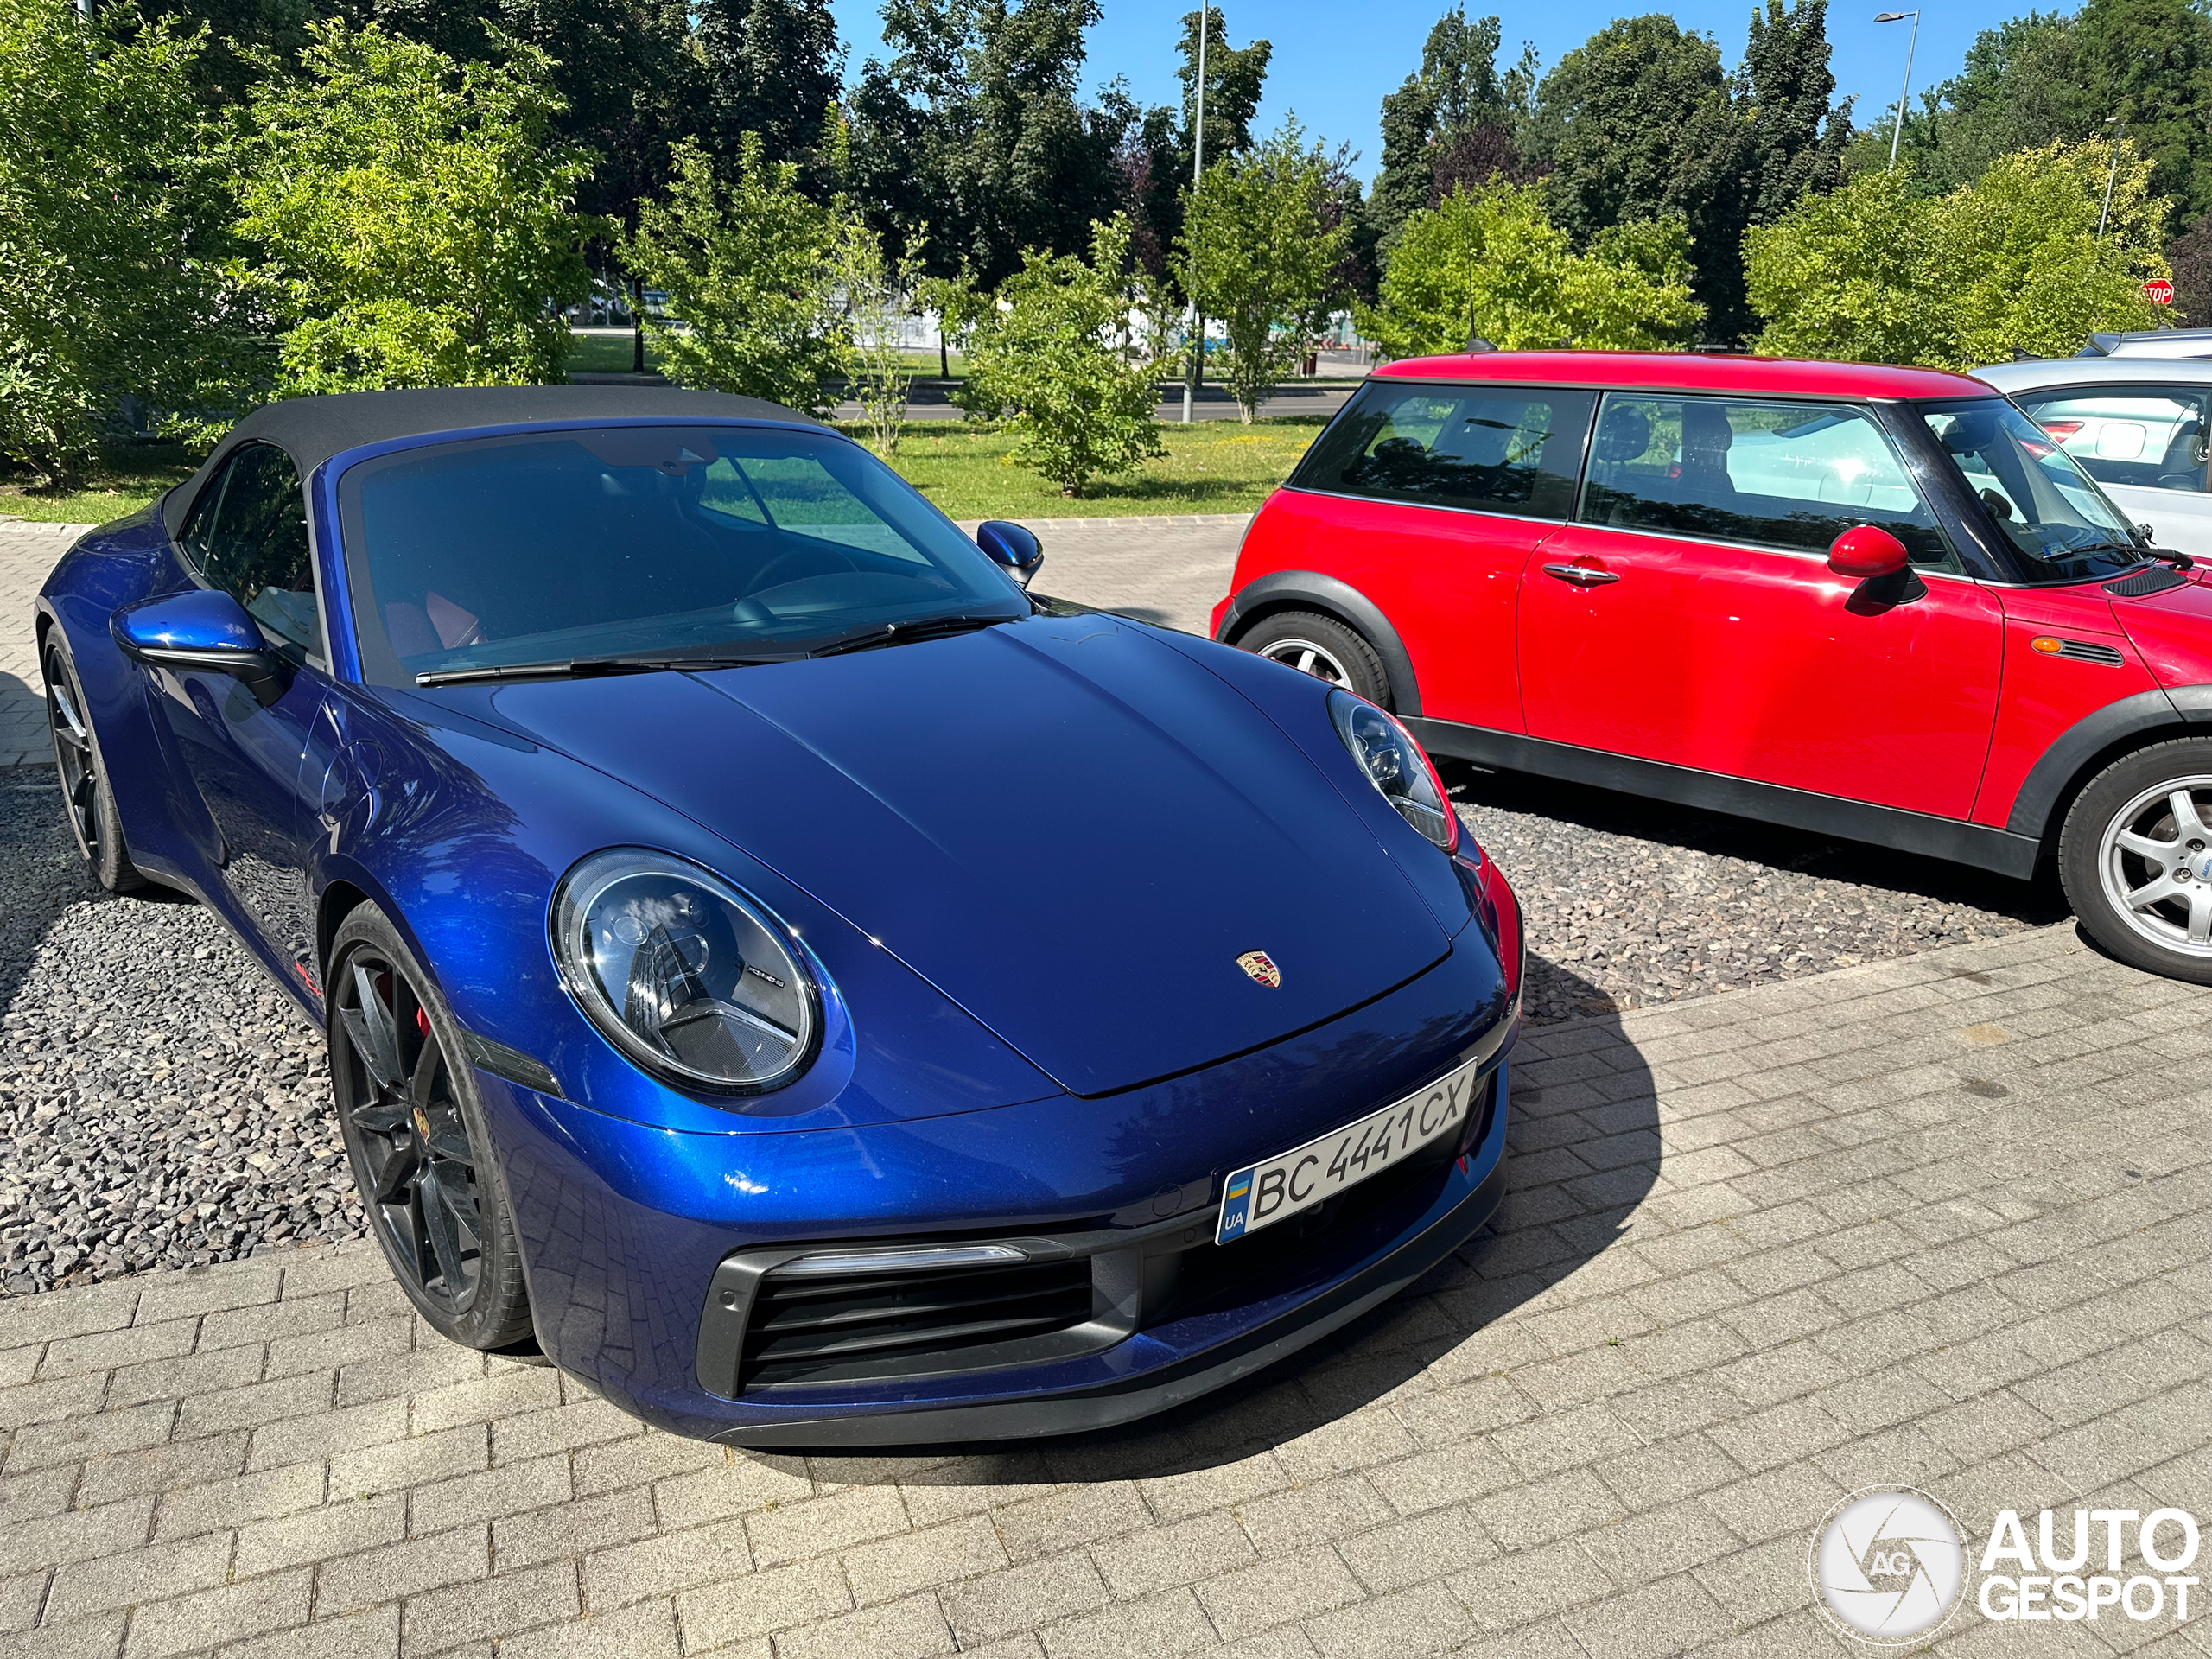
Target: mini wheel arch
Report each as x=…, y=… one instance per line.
x=1310, y=590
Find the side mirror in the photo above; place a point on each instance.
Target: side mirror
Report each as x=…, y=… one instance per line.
x=1013, y=546
x=204, y=628
x=1865, y=550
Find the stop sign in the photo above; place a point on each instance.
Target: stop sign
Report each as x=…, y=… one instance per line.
x=2158, y=291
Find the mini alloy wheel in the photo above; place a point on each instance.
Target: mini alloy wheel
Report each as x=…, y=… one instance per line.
x=1307, y=657
x=420, y=1155
x=2154, y=860
x=1330, y=650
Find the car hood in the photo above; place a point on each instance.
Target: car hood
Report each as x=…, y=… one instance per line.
x=1070, y=828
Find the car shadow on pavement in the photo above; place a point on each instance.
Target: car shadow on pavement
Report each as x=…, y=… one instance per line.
x=1582, y=1152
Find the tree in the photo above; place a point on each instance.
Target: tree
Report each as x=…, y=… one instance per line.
x=974, y=129
x=772, y=68
x=749, y=266
x=1637, y=123
x=1798, y=133
x=1878, y=272
x=2043, y=77
x=1489, y=261
x=2190, y=257
x=1234, y=76
x=110, y=221
x=1260, y=253
x=1053, y=356
x=415, y=219
x=1452, y=124
x=881, y=294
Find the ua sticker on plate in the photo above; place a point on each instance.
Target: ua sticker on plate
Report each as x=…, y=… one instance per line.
x=1304, y=1176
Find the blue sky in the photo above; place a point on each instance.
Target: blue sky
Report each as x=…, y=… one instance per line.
x=1333, y=62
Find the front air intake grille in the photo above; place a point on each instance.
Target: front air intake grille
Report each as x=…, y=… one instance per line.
x=818, y=1329
x=2157, y=580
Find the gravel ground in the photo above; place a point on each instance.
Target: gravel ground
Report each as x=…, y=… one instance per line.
x=160, y=1106
x=1629, y=902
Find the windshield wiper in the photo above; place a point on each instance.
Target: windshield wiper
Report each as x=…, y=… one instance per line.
x=582, y=668
x=899, y=633
x=2140, y=549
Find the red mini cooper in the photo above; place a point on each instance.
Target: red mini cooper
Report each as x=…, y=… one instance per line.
x=1875, y=603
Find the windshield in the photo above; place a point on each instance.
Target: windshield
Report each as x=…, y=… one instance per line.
x=2064, y=527
x=737, y=540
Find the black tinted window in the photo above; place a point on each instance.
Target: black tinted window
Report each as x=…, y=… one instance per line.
x=1787, y=476
x=645, y=539
x=1501, y=449
x=254, y=543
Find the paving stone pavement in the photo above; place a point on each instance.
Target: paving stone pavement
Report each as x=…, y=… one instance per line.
x=1940, y=1220
x=26, y=553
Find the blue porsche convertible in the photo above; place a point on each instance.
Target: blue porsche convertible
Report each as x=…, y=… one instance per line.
x=817, y=990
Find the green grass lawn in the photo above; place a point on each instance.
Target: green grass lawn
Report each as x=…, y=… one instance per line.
x=127, y=476
x=1213, y=466
x=1209, y=467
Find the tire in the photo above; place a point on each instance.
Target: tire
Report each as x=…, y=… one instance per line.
x=1322, y=646
x=86, y=795
x=2136, y=859
x=415, y=1138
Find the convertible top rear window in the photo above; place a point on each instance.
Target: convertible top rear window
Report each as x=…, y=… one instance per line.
x=619, y=540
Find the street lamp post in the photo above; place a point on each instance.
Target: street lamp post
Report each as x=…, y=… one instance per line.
x=1905, y=92
x=2111, y=172
x=1195, y=340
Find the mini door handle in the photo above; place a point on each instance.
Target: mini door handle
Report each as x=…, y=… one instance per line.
x=1582, y=575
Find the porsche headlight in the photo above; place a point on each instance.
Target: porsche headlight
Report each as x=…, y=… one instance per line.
x=686, y=975
x=1395, y=763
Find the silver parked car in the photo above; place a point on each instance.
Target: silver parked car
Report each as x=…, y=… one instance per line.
x=2137, y=425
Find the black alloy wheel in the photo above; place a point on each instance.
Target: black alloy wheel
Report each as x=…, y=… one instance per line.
x=414, y=1134
x=85, y=792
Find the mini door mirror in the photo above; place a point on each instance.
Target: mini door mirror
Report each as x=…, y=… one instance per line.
x=1013, y=546
x=204, y=628
x=1867, y=550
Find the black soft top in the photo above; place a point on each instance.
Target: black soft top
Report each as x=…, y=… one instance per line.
x=312, y=429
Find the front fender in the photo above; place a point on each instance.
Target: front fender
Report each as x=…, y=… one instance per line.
x=2180, y=710
x=1286, y=590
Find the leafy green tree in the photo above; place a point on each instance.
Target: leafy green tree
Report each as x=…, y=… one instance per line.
x=414, y=219
x=2045, y=77
x=2190, y=257
x=1787, y=92
x=1261, y=254
x=974, y=129
x=219, y=68
x=773, y=67
x=749, y=266
x=1877, y=272
x=880, y=294
x=1489, y=261
x=1453, y=123
x=1054, y=358
x=1235, y=77
x=1637, y=123
x=111, y=216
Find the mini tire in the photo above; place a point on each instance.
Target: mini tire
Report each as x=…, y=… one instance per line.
x=1320, y=645
x=2136, y=859
x=86, y=794
x=413, y=1122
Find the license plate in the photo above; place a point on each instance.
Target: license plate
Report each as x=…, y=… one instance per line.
x=1305, y=1176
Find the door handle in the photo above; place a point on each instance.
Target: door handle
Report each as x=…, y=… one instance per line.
x=1582, y=575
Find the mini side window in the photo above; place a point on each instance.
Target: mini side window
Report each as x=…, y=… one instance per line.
x=248, y=534
x=1785, y=475
x=1490, y=448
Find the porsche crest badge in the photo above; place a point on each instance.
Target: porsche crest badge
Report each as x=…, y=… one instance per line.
x=1261, y=967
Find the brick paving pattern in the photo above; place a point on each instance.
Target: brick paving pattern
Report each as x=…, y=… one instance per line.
x=26, y=553
x=1939, y=1221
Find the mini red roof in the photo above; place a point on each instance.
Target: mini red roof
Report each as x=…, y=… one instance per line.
x=1691, y=370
